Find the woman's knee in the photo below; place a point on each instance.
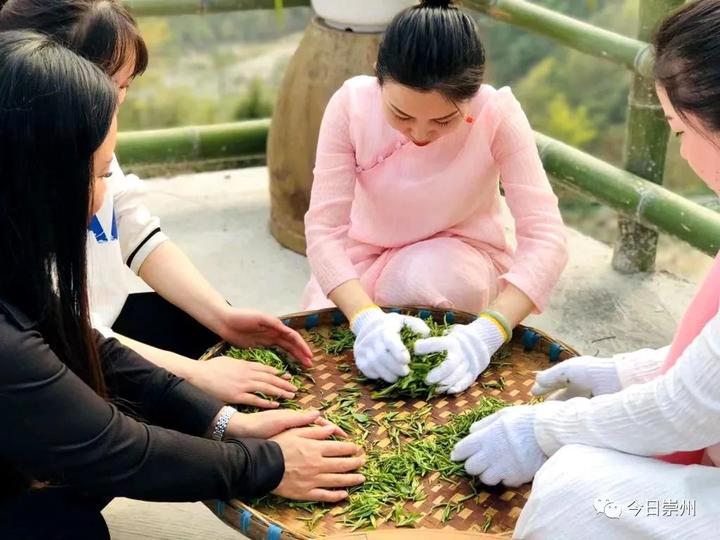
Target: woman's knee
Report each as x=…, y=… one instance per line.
x=566, y=478
x=442, y=272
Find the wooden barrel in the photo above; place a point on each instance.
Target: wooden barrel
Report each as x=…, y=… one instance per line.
x=486, y=509
x=325, y=58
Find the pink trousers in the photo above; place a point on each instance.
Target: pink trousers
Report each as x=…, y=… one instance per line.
x=442, y=272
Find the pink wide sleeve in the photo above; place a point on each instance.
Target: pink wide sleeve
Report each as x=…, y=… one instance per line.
x=327, y=221
x=541, y=253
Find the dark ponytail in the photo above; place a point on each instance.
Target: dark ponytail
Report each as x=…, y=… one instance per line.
x=687, y=65
x=433, y=46
x=55, y=111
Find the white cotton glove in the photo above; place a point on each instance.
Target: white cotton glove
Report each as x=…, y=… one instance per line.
x=469, y=350
x=379, y=350
x=584, y=376
x=502, y=447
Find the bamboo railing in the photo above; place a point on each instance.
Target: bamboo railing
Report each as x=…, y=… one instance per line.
x=236, y=140
x=646, y=137
x=568, y=31
x=638, y=199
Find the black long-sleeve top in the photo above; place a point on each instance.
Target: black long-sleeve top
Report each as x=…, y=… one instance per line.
x=54, y=428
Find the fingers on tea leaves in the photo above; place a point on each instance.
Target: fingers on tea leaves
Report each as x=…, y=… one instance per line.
x=462, y=385
x=392, y=345
x=330, y=480
x=304, y=418
x=276, y=381
x=317, y=433
x=366, y=366
x=325, y=495
x=272, y=390
x=457, y=375
x=385, y=373
x=342, y=464
x=256, y=401
x=431, y=345
x=418, y=326
x=342, y=449
x=466, y=448
x=515, y=481
x=478, y=464
x=488, y=420
x=267, y=369
x=443, y=371
x=492, y=476
x=337, y=431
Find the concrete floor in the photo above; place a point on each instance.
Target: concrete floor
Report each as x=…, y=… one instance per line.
x=220, y=220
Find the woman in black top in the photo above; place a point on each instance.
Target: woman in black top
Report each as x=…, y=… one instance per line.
x=186, y=315
x=82, y=418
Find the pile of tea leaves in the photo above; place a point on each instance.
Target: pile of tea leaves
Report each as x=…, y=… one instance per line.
x=413, y=447
x=394, y=473
x=412, y=385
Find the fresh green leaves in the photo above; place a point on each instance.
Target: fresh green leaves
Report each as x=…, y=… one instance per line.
x=402, y=446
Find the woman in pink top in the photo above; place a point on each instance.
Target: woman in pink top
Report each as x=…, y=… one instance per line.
x=602, y=453
x=406, y=202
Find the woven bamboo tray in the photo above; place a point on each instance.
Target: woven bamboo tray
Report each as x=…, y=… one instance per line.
x=531, y=350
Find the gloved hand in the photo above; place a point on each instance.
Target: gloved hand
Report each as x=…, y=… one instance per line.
x=584, y=376
x=502, y=447
x=379, y=350
x=469, y=350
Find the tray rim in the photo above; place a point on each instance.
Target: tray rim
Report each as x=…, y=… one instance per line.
x=245, y=514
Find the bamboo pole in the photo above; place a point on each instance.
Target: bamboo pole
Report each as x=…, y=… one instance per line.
x=187, y=144
x=645, y=149
x=644, y=201
x=638, y=199
x=568, y=31
x=150, y=8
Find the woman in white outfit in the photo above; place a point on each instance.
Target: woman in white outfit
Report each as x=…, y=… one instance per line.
x=636, y=458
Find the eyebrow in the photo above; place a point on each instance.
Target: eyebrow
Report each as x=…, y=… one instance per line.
x=409, y=116
x=668, y=117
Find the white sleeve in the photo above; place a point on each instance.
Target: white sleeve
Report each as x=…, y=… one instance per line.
x=677, y=411
x=640, y=366
x=138, y=230
x=96, y=323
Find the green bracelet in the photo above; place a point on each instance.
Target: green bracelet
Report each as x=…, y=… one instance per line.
x=500, y=319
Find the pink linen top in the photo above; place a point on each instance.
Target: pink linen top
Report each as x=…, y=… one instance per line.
x=373, y=186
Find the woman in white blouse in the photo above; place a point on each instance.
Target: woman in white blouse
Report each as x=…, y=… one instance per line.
x=637, y=459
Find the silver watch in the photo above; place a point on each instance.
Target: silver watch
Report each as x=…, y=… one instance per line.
x=222, y=422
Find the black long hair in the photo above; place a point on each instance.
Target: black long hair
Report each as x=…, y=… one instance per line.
x=687, y=60
x=433, y=46
x=102, y=31
x=55, y=111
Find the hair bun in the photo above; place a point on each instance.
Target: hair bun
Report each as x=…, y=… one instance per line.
x=441, y=4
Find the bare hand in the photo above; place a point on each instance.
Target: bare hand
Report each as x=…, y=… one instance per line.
x=250, y=328
x=267, y=424
x=317, y=469
x=236, y=381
